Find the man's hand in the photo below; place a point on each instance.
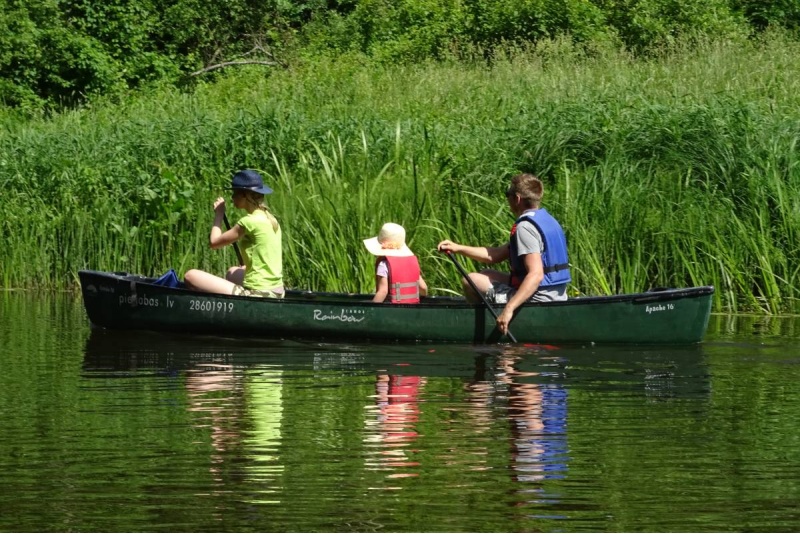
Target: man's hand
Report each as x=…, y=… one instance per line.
x=504, y=319
x=449, y=246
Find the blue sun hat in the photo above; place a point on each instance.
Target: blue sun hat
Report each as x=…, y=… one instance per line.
x=250, y=180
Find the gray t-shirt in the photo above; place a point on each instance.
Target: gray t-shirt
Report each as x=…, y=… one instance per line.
x=529, y=240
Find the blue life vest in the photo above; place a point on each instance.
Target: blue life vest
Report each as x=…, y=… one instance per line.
x=554, y=257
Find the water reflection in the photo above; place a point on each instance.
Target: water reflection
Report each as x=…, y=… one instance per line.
x=326, y=425
x=215, y=393
x=535, y=404
x=238, y=405
x=242, y=409
x=392, y=424
x=138, y=432
x=264, y=391
x=538, y=414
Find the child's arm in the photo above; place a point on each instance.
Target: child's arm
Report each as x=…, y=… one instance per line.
x=423, y=287
x=381, y=289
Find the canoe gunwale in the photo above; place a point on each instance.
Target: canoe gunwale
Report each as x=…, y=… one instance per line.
x=295, y=296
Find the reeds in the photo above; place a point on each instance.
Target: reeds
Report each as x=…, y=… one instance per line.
x=680, y=170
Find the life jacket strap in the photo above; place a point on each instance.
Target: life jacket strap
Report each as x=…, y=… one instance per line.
x=398, y=296
x=554, y=268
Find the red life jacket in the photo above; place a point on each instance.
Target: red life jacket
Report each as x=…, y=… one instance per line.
x=403, y=279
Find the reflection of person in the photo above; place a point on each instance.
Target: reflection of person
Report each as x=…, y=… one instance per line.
x=397, y=400
x=215, y=390
x=397, y=274
x=260, y=236
x=537, y=251
x=262, y=442
x=244, y=410
x=538, y=414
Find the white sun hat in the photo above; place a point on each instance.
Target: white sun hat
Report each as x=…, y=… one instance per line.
x=391, y=241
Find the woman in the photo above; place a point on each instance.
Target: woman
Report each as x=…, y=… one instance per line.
x=260, y=236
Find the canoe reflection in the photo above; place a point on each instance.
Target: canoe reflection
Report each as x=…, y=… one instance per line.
x=120, y=351
x=403, y=415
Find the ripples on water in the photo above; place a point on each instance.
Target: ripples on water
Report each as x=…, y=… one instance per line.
x=134, y=431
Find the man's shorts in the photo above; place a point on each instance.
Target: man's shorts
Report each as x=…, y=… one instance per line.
x=276, y=293
x=500, y=293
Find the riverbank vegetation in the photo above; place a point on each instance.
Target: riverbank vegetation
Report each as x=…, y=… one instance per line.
x=677, y=169
x=56, y=55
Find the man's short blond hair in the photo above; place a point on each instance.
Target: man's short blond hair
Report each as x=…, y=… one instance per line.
x=529, y=188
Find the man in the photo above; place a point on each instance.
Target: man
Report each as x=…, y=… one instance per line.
x=537, y=251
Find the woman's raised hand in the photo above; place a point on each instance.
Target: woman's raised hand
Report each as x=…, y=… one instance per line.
x=219, y=206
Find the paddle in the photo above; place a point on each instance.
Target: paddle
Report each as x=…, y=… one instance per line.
x=235, y=245
x=475, y=289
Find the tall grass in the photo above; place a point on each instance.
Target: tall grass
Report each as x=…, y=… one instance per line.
x=679, y=170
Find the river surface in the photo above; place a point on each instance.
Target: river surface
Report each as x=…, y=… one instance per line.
x=131, y=432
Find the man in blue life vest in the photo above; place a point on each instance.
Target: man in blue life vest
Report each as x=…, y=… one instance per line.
x=537, y=251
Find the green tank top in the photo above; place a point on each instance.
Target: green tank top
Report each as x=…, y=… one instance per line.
x=261, y=248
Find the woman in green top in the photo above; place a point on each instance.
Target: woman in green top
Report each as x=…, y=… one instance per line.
x=260, y=237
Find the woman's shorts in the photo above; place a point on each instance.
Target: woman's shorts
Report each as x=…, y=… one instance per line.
x=275, y=293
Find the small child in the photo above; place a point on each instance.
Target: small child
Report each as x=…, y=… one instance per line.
x=397, y=275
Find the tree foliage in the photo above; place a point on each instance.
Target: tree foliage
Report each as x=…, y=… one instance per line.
x=59, y=53
x=55, y=52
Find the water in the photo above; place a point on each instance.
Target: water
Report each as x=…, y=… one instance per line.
x=144, y=432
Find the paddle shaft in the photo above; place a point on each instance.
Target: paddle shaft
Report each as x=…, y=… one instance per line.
x=475, y=289
x=235, y=245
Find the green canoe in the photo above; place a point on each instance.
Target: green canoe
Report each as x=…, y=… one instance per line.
x=126, y=301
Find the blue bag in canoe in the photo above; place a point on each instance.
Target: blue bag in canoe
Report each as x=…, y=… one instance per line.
x=169, y=279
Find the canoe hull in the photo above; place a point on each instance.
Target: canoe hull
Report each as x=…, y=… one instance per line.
x=123, y=301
